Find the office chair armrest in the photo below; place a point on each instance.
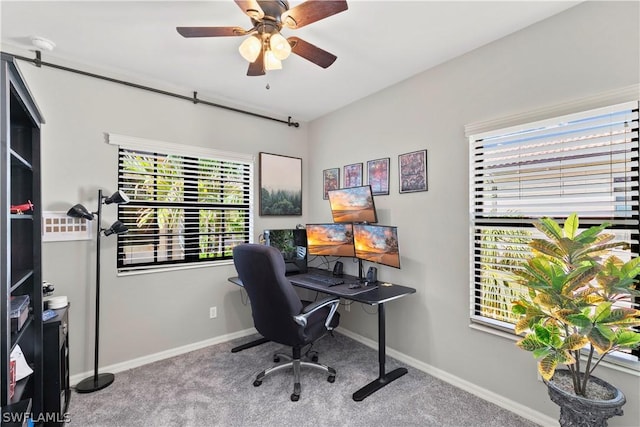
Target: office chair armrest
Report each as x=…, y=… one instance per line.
x=301, y=319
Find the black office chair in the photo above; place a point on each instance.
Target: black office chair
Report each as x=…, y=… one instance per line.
x=278, y=313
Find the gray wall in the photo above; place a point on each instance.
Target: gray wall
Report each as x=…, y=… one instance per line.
x=586, y=50
x=150, y=313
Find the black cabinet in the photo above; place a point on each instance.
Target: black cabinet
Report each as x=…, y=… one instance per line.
x=56, y=390
x=20, y=241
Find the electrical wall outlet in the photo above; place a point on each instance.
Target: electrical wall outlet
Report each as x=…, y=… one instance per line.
x=213, y=312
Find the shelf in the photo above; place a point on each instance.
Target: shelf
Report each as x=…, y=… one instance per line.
x=21, y=216
x=18, y=160
x=18, y=277
x=21, y=387
x=16, y=336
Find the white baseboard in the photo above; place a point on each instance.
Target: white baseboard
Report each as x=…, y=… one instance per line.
x=140, y=361
x=503, y=402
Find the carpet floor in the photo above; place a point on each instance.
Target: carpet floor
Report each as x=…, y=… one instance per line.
x=214, y=387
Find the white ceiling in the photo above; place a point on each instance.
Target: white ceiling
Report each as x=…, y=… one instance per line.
x=378, y=43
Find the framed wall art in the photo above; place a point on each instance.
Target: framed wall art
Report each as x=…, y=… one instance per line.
x=280, y=185
x=378, y=176
x=353, y=175
x=330, y=181
x=412, y=168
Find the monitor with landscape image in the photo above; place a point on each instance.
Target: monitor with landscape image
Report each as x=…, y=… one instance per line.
x=354, y=204
x=377, y=243
x=330, y=239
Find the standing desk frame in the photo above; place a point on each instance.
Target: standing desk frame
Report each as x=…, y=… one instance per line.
x=377, y=296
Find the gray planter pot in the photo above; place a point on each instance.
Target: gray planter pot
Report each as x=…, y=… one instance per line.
x=577, y=411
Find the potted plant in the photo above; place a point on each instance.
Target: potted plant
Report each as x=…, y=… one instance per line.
x=579, y=297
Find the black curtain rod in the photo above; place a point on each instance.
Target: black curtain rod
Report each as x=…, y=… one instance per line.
x=38, y=62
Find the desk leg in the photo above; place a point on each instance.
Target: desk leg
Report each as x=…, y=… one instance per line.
x=254, y=343
x=384, y=378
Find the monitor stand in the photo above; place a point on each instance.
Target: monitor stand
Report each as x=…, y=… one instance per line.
x=361, y=278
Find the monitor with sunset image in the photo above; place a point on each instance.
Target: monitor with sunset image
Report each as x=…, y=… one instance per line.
x=330, y=240
x=354, y=204
x=377, y=243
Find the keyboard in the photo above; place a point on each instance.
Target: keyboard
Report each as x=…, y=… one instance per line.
x=325, y=280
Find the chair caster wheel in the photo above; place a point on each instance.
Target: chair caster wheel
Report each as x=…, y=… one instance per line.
x=295, y=397
x=257, y=383
x=332, y=378
x=314, y=358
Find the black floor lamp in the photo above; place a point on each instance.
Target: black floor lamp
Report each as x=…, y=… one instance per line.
x=98, y=382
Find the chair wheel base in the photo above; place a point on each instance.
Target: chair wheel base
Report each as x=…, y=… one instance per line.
x=295, y=397
x=257, y=383
x=331, y=378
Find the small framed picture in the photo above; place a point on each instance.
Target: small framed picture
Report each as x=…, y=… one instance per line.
x=412, y=168
x=378, y=176
x=330, y=181
x=353, y=175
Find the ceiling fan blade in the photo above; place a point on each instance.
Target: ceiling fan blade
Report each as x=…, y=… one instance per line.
x=211, y=31
x=251, y=8
x=256, y=68
x=311, y=11
x=311, y=52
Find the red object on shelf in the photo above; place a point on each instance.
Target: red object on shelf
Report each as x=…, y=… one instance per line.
x=20, y=209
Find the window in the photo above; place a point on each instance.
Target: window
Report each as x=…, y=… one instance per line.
x=187, y=206
x=585, y=163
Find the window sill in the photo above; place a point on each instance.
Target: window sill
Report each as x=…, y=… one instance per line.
x=618, y=362
x=174, y=268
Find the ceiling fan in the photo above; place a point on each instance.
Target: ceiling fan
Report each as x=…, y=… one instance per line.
x=265, y=47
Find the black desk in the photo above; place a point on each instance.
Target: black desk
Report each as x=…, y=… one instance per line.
x=379, y=295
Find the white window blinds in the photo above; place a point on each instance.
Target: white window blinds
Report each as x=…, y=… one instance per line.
x=585, y=163
x=186, y=208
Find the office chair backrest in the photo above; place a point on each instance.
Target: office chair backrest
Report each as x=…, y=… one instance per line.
x=273, y=299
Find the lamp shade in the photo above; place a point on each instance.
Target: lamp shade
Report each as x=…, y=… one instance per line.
x=250, y=48
x=79, y=211
x=280, y=46
x=118, y=197
x=116, y=228
x=271, y=62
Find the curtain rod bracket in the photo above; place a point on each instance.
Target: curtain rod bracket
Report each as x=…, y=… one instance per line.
x=290, y=123
x=195, y=97
x=38, y=60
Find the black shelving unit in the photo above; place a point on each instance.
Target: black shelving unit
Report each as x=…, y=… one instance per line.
x=20, y=237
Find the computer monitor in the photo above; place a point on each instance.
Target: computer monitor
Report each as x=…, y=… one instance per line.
x=354, y=204
x=330, y=239
x=292, y=243
x=377, y=243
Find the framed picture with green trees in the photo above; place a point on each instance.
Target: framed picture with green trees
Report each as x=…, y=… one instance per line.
x=280, y=185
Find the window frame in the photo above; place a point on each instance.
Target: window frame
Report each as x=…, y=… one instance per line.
x=190, y=155
x=477, y=131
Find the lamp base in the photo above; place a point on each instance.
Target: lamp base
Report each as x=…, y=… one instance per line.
x=91, y=384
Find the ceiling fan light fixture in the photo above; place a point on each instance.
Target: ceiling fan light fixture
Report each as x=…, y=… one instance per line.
x=250, y=48
x=279, y=46
x=271, y=62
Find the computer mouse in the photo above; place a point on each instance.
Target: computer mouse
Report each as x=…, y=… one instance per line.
x=354, y=286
